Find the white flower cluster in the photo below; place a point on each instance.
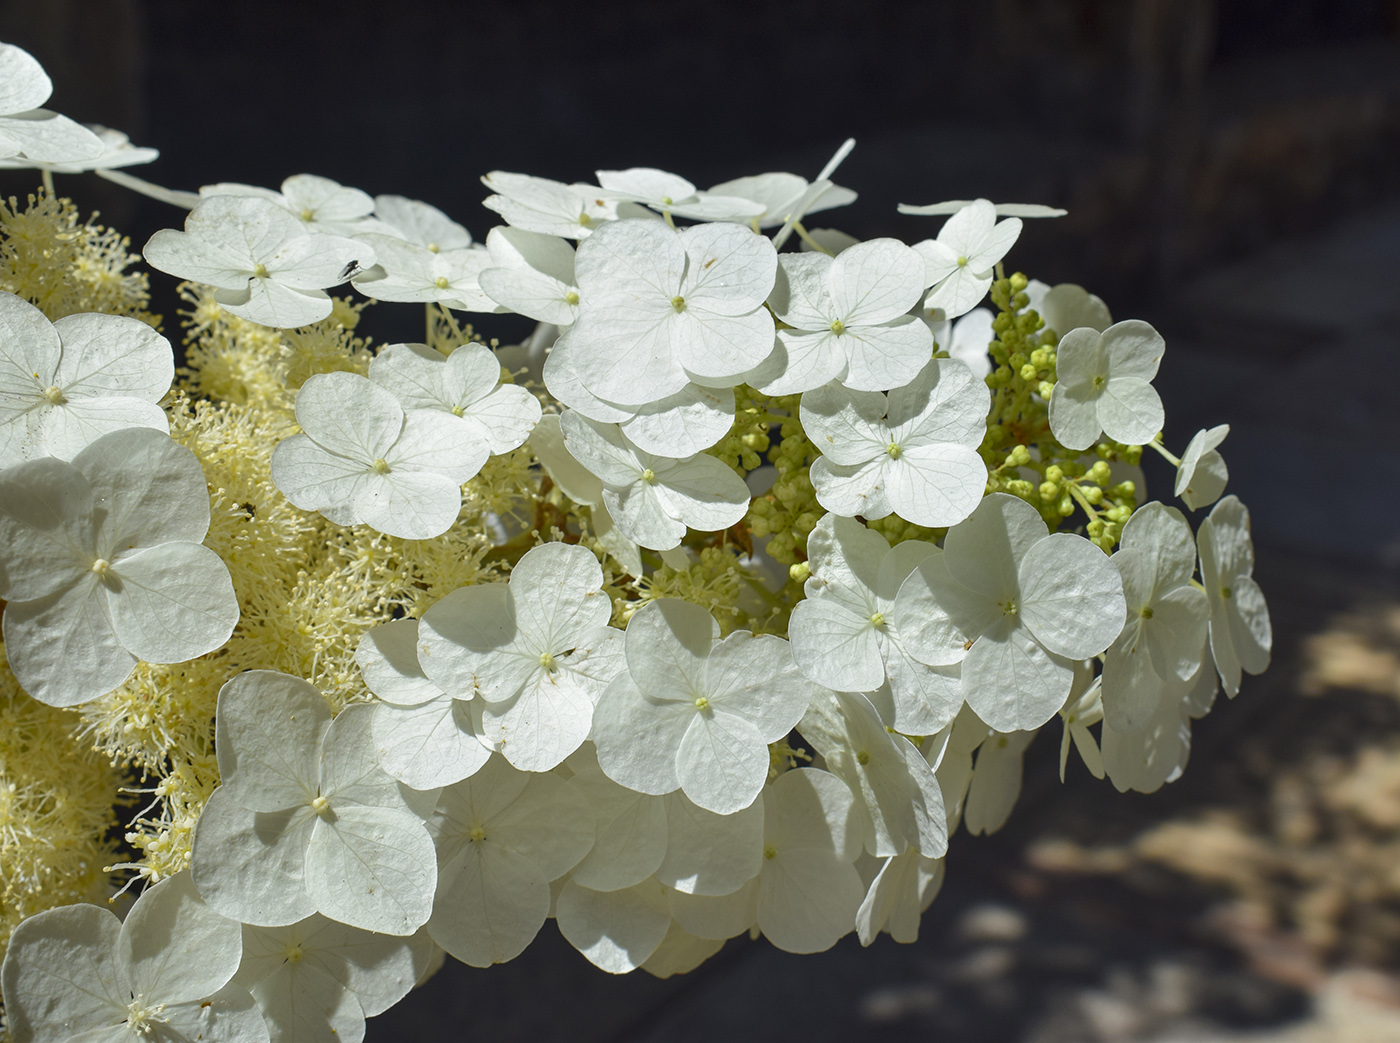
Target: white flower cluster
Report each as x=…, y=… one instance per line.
x=523, y=757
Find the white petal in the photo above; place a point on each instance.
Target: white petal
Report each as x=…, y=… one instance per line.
x=834, y=647
x=637, y=740
x=1074, y=416
x=62, y=974
x=703, y=492
x=62, y=648
x=268, y=733
x=113, y=355
x=876, y=281
x=1071, y=596
x=349, y=415
x=372, y=868
x=175, y=947
x=886, y=356
x=722, y=762
x=47, y=535
x=710, y=854
x=615, y=930
x=429, y=745
x=151, y=488
x=938, y=485
x=490, y=905
x=984, y=552
x=248, y=865
x=171, y=603
x=996, y=781
x=1130, y=410
x=1013, y=683
x=387, y=656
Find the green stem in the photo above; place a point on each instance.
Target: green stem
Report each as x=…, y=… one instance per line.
x=1174, y=461
x=1083, y=501
x=803, y=234
x=47, y=176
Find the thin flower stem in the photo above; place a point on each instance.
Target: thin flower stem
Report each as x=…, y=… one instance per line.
x=806, y=237
x=47, y=175
x=1083, y=501
x=1174, y=461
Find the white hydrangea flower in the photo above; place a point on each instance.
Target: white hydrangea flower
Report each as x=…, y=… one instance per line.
x=616, y=931
x=661, y=308
x=630, y=828
x=102, y=563
x=905, y=886
x=426, y=739
x=1083, y=709
x=502, y=836
x=537, y=650
x=78, y=973
x=316, y=981
x=814, y=194
x=841, y=633
x=960, y=261
x=420, y=223
x=32, y=132
x=1067, y=306
x=1104, y=385
x=966, y=339
x=996, y=781
x=466, y=385
x=849, y=319
x=262, y=262
x=950, y=752
x=407, y=272
x=1165, y=630
x=1202, y=475
x=117, y=151
x=65, y=384
x=362, y=460
x=679, y=425
x=584, y=488
x=1148, y=757
x=673, y=194
x=897, y=799
x=1015, y=605
x=695, y=713
x=320, y=204
x=304, y=820
x=653, y=499
x=952, y=206
x=1241, y=636
x=912, y=452
x=781, y=194
x=537, y=204
x=531, y=274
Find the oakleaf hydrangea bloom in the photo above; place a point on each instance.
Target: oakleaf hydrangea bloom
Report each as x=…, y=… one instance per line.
x=1013, y=604
x=1156, y=753
x=65, y=384
x=320, y=204
x=1241, y=636
x=1105, y=385
x=1165, y=632
x=1067, y=306
x=408, y=272
x=502, y=836
x=849, y=319
x=653, y=499
x=304, y=820
x=996, y=780
x=494, y=417
x=537, y=651
x=263, y=263
x=842, y=635
x=315, y=981
x=661, y=307
x=363, y=460
x=905, y=886
x=537, y=204
x=897, y=799
x=102, y=564
x=420, y=223
x=117, y=151
x=533, y=275
x=911, y=452
x=79, y=973
x=678, y=425
x=673, y=194
x=426, y=739
x=1202, y=475
x=696, y=713
x=959, y=262
x=26, y=129
x=780, y=194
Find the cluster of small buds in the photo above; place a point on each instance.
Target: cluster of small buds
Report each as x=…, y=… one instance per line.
x=714, y=608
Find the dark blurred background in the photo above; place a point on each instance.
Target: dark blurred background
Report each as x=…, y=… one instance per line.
x=1232, y=172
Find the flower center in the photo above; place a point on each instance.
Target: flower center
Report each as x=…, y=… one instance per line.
x=1010, y=607
x=477, y=834
x=878, y=619
x=571, y=297
x=701, y=703
x=307, y=214
x=863, y=757
x=55, y=395
x=433, y=248
x=320, y=804
x=143, y=1019
x=666, y=200
x=441, y=282
x=1145, y=612
x=585, y=220
x=259, y=271
x=962, y=262
x=770, y=852
x=1099, y=382
x=101, y=566
x=648, y=476
x=294, y=953
x=547, y=660
x=1226, y=593
x=678, y=303
x=894, y=450
x=458, y=410
x=838, y=327
x=380, y=466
